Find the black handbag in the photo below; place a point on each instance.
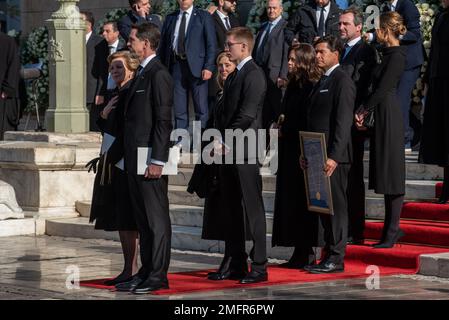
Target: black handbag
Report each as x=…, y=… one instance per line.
x=368, y=121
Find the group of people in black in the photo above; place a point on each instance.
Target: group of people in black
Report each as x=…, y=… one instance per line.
x=344, y=85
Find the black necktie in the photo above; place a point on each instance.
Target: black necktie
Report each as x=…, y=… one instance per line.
x=139, y=71
x=111, y=49
x=228, y=26
x=261, y=48
x=182, y=35
x=321, y=30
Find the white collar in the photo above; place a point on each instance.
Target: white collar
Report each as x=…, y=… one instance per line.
x=145, y=62
x=189, y=11
x=115, y=44
x=328, y=72
x=353, y=42
x=243, y=62
x=88, y=36
x=326, y=8
x=222, y=15
x=394, y=5
x=275, y=22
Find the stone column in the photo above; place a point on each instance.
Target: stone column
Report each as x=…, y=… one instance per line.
x=67, y=111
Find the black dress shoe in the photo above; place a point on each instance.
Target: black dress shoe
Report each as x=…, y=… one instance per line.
x=116, y=281
x=130, y=285
x=149, y=286
x=328, y=267
x=225, y=275
x=255, y=277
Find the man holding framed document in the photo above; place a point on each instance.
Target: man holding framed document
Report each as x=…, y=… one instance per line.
x=330, y=112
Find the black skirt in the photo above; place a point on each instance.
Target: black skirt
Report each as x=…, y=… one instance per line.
x=111, y=204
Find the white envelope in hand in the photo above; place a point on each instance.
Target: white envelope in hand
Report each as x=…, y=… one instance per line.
x=107, y=142
x=170, y=167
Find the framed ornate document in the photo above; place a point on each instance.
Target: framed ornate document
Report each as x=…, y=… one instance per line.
x=318, y=186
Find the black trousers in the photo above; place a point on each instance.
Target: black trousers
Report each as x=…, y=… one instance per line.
x=336, y=225
x=246, y=213
x=149, y=202
x=356, y=188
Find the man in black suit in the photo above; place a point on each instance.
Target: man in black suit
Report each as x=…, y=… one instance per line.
x=330, y=111
x=358, y=60
x=148, y=124
x=139, y=13
x=111, y=36
x=313, y=20
x=240, y=179
x=189, y=48
x=270, y=52
x=96, y=70
x=224, y=20
x=9, y=84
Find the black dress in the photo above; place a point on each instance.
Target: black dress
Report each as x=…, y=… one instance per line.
x=435, y=135
x=387, y=156
x=293, y=224
x=111, y=206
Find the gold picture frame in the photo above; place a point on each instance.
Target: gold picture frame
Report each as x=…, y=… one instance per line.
x=318, y=185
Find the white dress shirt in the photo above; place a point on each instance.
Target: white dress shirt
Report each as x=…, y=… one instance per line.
x=326, y=14
x=178, y=24
x=88, y=36
x=330, y=70
x=223, y=18
x=243, y=62
x=273, y=25
x=394, y=5
x=112, y=49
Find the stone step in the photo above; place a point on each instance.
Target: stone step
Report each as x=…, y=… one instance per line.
x=21, y=227
x=414, y=189
x=183, y=237
x=185, y=174
x=436, y=265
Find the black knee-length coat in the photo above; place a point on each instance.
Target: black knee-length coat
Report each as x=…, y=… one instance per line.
x=387, y=155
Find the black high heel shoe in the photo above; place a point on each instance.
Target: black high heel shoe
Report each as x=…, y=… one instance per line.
x=386, y=245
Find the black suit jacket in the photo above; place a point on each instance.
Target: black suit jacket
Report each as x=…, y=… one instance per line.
x=275, y=57
x=303, y=24
x=147, y=116
x=413, y=38
x=125, y=24
x=330, y=111
x=97, y=67
x=243, y=99
x=220, y=30
x=359, y=63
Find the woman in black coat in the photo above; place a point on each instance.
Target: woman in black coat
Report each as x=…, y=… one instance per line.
x=387, y=155
x=435, y=135
x=110, y=201
x=294, y=225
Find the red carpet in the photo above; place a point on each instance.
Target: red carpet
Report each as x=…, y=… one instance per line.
x=426, y=228
x=196, y=281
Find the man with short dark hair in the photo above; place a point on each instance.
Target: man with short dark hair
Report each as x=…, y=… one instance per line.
x=96, y=70
x=148, y=124
x=139, y=13
x=330, y=111
x=315, y=19
x=358, y=60
x=111, y=36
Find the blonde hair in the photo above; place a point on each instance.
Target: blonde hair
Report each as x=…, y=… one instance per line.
x=222, y=55
x=131, y=61
x=393, y=22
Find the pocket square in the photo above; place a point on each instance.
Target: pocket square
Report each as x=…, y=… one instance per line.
x=325, y=90
x=140, y=91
